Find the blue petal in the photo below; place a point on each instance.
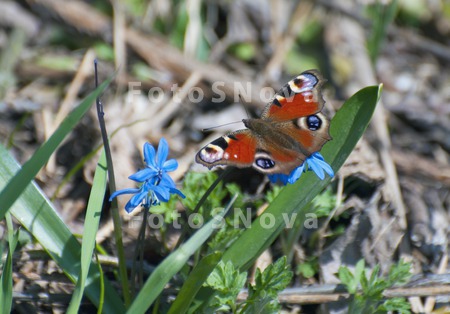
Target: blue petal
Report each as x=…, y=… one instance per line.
x=124, y=191
x=296, y=173
x=163, y=152
x=166, y=181
x=135, y=201
x=317, y=163
x=149, y=155
x=315, y=166
x=324, y=164
x=143, y=175
x=291, y=178
x=328, y=170
x=274, y=178
x=326, y=167
x=317, y=155
x=176, y=191
x=170, y=165
x=161, y=193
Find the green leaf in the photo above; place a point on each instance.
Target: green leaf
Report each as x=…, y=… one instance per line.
x=397, y=305
x=194, y=282
x=263, y=295
x=6, y=288
x=360, y=270
x=307, y=270
x=91, y=222
x=347, y=278
x=17, y=184
x=375, y=285
x=264, y=305
x=276, y=276
x=36, y=214
x=324, y=203
x=381, y=16
x=227, y=281
x=399, y=273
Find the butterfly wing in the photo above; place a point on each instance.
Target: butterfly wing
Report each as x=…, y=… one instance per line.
x=300, y=97
x=236, y=148
x=244, y=148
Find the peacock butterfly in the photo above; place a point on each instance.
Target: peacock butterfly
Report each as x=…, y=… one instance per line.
x=291, y=129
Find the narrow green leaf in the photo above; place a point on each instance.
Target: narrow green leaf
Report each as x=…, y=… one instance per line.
x=347, y=278
x=91, y=222
x=36, y=214
x=194, y=282
x=381, y=15
x=360, y=270
x=16, y=185
x=6, y=287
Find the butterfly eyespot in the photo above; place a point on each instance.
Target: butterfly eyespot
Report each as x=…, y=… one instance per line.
x=297, y=81
x=313, y=122
x=310, y=79
x=264, y=163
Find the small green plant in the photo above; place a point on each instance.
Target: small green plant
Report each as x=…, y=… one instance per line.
x=324, y=203
x=369, y=299
x=227, y=281
x=262, y=296
x=308, y=268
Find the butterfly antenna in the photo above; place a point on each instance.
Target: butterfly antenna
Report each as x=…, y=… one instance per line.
x=244, y=105
x=219, y=126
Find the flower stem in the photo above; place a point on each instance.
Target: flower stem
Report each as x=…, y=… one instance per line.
x=137, y=270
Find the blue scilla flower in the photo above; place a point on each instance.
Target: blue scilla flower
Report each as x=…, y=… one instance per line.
x=156, y=184
x=315, y=163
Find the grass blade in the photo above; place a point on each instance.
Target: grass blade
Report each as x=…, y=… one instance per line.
x=6, y=287
x=193, y=283
x=91, y=223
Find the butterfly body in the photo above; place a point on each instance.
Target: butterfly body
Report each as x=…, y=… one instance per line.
x=290, y=129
